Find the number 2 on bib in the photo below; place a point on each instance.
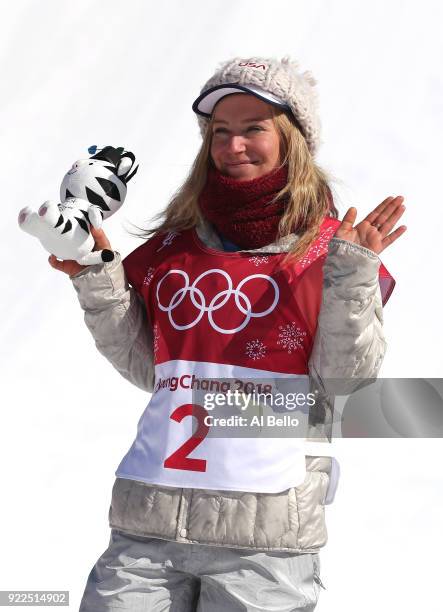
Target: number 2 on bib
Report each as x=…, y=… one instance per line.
x=179, y=459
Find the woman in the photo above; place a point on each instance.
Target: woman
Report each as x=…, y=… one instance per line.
x=234, y=523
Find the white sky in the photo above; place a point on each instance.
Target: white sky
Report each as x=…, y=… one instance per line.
x=126, y=73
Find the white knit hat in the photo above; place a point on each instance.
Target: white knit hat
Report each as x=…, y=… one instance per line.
x=276, y=82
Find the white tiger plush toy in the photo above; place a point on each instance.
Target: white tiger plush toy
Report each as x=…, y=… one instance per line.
x=91, y=191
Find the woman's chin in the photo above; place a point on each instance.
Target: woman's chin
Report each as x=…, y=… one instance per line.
x=243, y=172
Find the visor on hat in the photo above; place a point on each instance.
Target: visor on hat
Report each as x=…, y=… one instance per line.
x=204, y=104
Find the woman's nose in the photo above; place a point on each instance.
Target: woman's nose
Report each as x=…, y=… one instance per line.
x=236, y=144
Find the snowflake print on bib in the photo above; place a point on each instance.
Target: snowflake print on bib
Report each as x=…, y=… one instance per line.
x=149, y=276
x=319, y=247
x=255, y=349
x=259, y=259
x=291, y=337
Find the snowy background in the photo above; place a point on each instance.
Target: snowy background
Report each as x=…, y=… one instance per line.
x=79, y=73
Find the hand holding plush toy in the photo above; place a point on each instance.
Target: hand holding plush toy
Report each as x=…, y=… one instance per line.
x=92, y=190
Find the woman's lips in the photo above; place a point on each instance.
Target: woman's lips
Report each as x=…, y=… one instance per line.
x=240, y=163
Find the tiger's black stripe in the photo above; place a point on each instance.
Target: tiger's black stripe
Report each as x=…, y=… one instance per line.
x=68, y=226
x=83, y=224
x=109, y=188
x=96, y=199
x=86, y=216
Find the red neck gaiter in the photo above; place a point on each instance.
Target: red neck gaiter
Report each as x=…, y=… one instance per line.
x=240, y=210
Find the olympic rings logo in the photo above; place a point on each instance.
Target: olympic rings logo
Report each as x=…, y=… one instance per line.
x=242, y=301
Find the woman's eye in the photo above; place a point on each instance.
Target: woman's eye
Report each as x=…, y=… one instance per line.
x=252, y=128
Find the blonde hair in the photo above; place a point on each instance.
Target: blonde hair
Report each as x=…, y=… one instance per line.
x=307, y=191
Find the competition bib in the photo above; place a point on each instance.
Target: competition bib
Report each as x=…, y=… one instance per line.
x=181, y=444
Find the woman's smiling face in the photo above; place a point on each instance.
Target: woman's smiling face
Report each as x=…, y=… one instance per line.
x=245, y=143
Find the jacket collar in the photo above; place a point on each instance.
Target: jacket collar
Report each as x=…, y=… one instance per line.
x=210, y=238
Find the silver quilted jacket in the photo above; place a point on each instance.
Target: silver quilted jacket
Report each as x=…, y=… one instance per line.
x=349, y=345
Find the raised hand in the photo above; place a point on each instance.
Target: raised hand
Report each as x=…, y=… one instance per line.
x=68, y=266
x=374, y=232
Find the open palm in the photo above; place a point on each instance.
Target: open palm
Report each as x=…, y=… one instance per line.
x=374, y=232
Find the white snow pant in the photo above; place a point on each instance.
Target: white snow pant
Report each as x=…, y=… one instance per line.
x=149, y=574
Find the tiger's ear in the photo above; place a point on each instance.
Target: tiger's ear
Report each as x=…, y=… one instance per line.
x=124, y=165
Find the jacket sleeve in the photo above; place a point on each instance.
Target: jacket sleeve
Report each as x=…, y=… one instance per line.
x=349, y=344
x=116, y=317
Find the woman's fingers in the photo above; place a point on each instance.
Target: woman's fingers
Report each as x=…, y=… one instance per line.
x=67, y=266
x=387, y=224
x=101, y=240
x=378, y=210
x=56, y=263
x=349, y=219
x=52, y=261
x=393, y=236
x=387, y=216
